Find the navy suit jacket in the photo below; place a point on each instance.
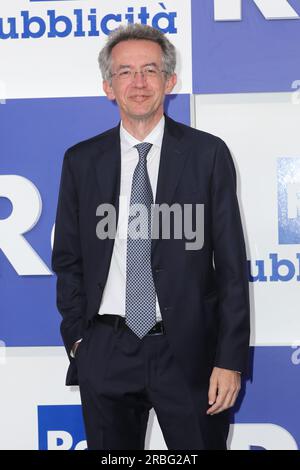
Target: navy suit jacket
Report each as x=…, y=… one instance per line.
x=203, y=294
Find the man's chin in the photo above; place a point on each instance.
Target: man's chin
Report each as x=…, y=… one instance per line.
x=142, y=113
x=142, y=116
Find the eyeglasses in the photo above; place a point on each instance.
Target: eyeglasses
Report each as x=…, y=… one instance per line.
x=149, y=71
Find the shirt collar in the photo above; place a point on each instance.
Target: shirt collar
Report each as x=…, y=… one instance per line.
x=154, y=137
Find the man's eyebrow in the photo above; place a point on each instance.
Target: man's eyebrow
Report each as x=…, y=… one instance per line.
x=125, y=66
x=151, y=63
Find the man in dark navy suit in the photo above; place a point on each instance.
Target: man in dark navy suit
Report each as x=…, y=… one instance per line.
x=151, y=322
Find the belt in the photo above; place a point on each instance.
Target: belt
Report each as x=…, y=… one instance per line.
x=118, y=321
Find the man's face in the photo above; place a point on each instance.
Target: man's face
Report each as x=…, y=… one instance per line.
x=141, y=97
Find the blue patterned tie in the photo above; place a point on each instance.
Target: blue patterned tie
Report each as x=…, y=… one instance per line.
x=140, y=302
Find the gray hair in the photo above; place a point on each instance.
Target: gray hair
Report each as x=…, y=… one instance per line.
x=133, y=32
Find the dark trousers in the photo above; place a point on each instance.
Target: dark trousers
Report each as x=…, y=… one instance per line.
x=121, y=377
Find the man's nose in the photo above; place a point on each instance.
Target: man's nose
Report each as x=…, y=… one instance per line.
x=139, y=79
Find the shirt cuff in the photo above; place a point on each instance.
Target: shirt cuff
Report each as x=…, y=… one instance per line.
x=72, y=353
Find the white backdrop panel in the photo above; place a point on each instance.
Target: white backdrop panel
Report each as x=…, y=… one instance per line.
x=259, y=129
x=67, y=66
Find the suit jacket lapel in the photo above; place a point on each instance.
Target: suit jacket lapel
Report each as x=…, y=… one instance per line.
x=172, y=161
x=107, y=164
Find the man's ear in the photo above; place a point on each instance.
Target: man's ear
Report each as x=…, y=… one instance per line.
x=108, y=90
x=170, y=83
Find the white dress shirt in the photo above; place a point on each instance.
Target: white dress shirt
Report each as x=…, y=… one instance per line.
x=113, y=297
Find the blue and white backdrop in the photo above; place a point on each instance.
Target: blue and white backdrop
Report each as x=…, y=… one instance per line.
x=239, y=70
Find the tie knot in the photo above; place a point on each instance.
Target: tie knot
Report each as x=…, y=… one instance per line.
x=143, y=149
